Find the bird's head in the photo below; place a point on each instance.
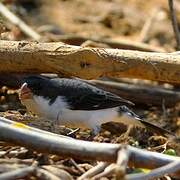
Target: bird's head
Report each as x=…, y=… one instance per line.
x=35, y=83
x=32, y=85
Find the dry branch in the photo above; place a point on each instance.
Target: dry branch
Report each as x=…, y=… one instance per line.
x=31, y=57
x=121, y=44
x=118, y=168
x=64, y=147
x=140, y=94
x=159, y=172
x=18, y=22
x=60, y=173
x=44, y=174
x=94, y=171
x=18, y=173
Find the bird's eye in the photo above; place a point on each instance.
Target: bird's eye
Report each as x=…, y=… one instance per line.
x=35, y=86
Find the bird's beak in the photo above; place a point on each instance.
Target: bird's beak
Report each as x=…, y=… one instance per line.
x=25, y=92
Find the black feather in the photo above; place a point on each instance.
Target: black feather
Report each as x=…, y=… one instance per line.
x=78, y=94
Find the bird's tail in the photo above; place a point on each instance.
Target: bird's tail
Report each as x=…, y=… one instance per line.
x=154, y=128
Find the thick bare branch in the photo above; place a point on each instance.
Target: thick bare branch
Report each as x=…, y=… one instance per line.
x=30, y=57
x=64, y=147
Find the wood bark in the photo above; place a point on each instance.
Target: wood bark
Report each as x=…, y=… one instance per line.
x=88, y=63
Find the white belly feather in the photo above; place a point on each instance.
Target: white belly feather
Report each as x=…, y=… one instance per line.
x=60, y=112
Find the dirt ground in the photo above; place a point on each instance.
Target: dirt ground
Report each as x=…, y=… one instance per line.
x=113, y=19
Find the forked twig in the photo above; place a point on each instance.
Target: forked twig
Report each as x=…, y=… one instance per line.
x=118, y=168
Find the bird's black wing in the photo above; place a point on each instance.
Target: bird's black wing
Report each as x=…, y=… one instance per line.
x=83, y=96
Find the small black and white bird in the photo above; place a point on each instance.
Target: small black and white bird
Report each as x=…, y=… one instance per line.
x=74, y=103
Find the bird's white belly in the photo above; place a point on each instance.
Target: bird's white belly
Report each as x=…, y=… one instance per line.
x=59, y=111
x=87, y=119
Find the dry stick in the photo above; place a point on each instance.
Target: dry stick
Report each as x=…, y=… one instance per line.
x=81, y=170
x=174, y=23
x=18, y=173
x=106, y=173
x=94, y=171
x=51, y=144
x=159, y=172
x=87, y=63
x=121, y=44
x=62, y=174
x=16, y=161
x=44, y=174
x=18, y=22
x=118, y=168
x=122, y=162
x=5, y=167
x=148, y=25
x=140, y=94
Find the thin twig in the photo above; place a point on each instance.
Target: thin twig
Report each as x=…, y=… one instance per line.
x=148, y=25
x=159, y=172
x=94, y=171
x=73, y=132
x=107, y=172
x=174, y=23
x=18, y=22
x=44, y=174
x=76, y=166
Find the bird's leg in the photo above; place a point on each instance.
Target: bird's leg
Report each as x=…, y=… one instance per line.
x=54, y=125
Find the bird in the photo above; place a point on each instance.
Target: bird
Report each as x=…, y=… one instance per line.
x=75, y=103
